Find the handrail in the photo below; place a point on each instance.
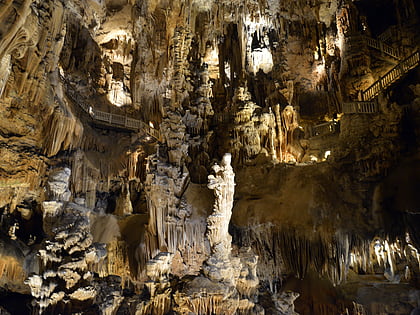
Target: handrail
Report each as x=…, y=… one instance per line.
x=390, y=33
x=360, y=107
x=116, y=120
x=383, y=47
x=329, y=127
x=391, y=76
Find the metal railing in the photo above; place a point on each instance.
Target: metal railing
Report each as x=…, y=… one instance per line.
x=391, y=76
x=360, y=107
x=326, y=128
x=382, y=47
x=389, y=34
x=115, y=120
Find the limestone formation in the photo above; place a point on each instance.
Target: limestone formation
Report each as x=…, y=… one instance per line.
x=115, y=115
x=229, y=283
x=284, y=302
x=67, y=254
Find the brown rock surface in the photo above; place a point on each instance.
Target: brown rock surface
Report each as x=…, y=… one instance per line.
x=113, y=114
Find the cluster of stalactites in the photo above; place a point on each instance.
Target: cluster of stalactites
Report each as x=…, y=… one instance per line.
x=64, y=133
x=330, y=257
x=275, y=134
x=398, y=260
x=39, y=40
x=117, y=72
x=171, y=228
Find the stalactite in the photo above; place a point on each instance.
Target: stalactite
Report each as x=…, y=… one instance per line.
x=329, y=257
x=274, y=134
x=262, y=57
x=64, y=133
x=11, y=40
x=134, y=164
x=11, y=270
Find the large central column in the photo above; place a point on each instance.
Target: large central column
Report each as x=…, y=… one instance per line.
x=219, y=267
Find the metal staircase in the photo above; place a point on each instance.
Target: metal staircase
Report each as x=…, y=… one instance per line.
x=360, y=107
x=382, y=47
x=391, y=76
x=368, y=105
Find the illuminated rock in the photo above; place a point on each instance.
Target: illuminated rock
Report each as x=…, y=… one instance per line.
x=316, y=102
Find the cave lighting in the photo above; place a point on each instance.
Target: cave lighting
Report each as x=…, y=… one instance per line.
x=212, y=60
x=327, y=154
x=314, y=158
x=117, y=96
x=259, y=58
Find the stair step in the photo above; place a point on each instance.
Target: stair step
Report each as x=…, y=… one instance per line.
x=391, y=76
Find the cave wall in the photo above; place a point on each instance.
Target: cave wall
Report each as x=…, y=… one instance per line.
x=323, y=196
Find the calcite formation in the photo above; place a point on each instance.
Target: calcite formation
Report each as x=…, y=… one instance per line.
x=228, y=284
x=67, y=254
x=218, y=266
x=209, y=157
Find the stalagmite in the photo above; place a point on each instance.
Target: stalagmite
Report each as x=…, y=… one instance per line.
x=218, y=267
x=68, y=250
x=229, y=283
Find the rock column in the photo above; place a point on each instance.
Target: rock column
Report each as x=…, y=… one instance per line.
x=219, y=267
